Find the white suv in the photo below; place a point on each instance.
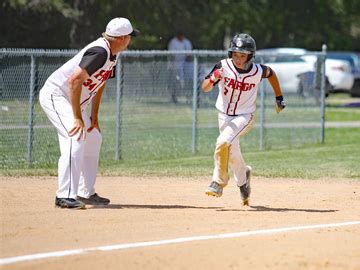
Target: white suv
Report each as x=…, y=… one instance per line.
x=290, y=63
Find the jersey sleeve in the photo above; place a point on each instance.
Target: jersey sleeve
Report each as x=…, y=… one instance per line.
x=265, y=69
x=93, y=59
x=217, y=66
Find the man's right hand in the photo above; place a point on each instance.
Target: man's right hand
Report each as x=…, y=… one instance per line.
x=216, y=75
x=78, y=129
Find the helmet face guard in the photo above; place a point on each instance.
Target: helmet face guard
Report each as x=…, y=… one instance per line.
x=243, y=43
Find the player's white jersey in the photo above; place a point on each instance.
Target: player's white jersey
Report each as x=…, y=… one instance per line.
x=238, y=91
x=58, y=81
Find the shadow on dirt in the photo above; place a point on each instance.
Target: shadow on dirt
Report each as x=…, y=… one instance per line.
x=274, y=209
x=148, y=206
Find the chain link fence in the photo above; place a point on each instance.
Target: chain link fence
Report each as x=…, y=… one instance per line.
x=152, y=109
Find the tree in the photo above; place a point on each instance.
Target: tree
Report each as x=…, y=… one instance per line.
x=273, y=23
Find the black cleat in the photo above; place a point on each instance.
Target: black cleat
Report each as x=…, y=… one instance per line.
x=94, y=199
x=245, y=189
x=69, y=203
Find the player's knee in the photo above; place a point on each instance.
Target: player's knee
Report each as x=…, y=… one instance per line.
x=94, y=136
x=99, y=137
x=220, y=144
x=222, y=148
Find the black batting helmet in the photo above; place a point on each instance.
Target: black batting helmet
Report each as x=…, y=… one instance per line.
x=243, y=43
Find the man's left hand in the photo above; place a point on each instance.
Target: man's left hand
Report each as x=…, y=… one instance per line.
x=94, y=124
x=279, y=104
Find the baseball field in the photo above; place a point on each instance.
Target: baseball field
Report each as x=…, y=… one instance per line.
x=168, y=223
x=303, y=213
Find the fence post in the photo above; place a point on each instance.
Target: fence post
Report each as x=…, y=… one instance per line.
x=322, y=91
x=119, y=93
x=195, y=105
x=31, y=110
x=262, y=112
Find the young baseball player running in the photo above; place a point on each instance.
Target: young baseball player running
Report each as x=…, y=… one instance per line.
x=64, y=97
x=238, y=78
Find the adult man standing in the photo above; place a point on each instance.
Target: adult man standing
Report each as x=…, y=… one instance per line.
x=180, y=68
x=64, y=97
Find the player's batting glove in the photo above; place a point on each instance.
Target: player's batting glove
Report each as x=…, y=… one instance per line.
x=279, y=104
x=216, y=75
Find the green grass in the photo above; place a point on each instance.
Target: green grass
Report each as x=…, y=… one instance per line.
x=337, y=111
x=337, y=158
x=159, y=143
x=344, y=115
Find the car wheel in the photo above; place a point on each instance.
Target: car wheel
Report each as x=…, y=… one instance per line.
x=355, y=91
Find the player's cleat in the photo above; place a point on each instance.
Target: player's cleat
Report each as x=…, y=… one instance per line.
x=245, y=189
x=215, y=189
x=94, y=199
x=69, y=203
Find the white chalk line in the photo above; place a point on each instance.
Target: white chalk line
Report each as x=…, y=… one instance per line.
x=63, y=253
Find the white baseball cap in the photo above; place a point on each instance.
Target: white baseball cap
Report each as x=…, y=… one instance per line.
x=120, y=27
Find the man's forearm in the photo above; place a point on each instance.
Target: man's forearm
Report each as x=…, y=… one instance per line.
x=275, y=84
x=96, y=101
x=74, y=94
x=207, y=86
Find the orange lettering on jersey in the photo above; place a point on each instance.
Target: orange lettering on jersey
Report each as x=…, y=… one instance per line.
x=106, y=75
x=238, y=85
x=103, y=75
x=231, y=83
x=248, y=86
x=100, y=75
x=87, y=82
x=91, y=86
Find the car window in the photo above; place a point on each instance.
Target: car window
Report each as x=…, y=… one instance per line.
x=347, y=57
x=282, y=58
x=357, y=61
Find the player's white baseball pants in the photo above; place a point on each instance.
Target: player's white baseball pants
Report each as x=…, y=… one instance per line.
x=78, y=163
x=227, y=151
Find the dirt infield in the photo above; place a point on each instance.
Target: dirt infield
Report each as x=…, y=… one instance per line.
x=152, y=209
